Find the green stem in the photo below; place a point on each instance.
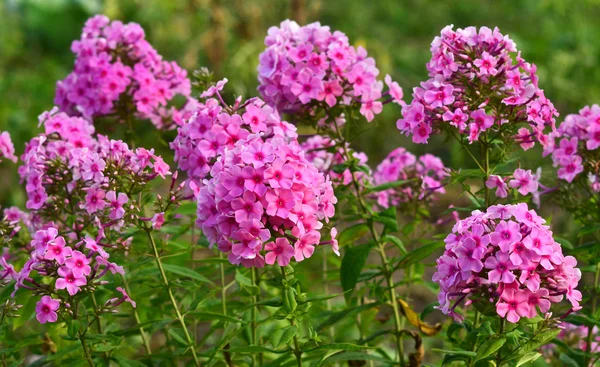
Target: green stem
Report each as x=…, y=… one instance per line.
x=165, y=280
x=381, y=248
x=590, y=335
x=223, y=286
x=499, y=355
x=474, y=348
x=86, y=350
x=138, y=321
x=486, y=165
x=326, y=290
x=297, y=350
x=253, y=317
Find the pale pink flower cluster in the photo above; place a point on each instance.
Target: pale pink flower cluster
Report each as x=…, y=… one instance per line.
x=475, y=86
x=310, y=66
x=325, y=154
x=69, y=159
x=264, y=202
x=214, y=127
x=523, y=181
x=118, y=72
x=574, y=336
x=505, y=257
x=7, y=149
x=574, y=146
x=69, y=265
x=426, y=173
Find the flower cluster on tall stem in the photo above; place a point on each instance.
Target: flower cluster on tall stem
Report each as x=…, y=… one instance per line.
x=425, y=173
x=82, y=192
x=476, y=86
x=214, y=127
x=505, y=258
x=262, y=201
x=118, y=74
x=304, y=66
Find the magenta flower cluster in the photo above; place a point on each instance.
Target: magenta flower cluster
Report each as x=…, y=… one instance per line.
x=427, y=172
x=264, y=202
x=303, y=67
x=7, y=149
x=475, y=85
x=321, y=151
x=117, y=72
x=505, y=257
x=574, y=144
x=214, y=128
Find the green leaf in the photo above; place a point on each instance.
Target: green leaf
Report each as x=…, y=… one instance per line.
x=186, y=272
x=178, y=338
x=388, y=238
x=537, y=341
x=352, y=356
x=352, y=234
x=187, y=208
x=354, y=261
x=246, y=284
x=464, y=353
x=489, y=347
x=340, y=346
x=388, y=185
x=418, y=254
x=388, y=219
x=349, y=312
x=286, y=337
x=564, y=242
x=568, y=361
x=124, y=362
x=529, y=357
x=256, y=349
x=581, y=319
x=206, y=315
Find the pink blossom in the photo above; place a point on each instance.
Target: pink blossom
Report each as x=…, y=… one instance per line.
x=69, y=281
x=7, y=149
x=45, y=310
x=94, y=200
x=78, y=263
x=305, y=246
x=126, y=297
x=57, y=251
x=513, y=305
x=280, y=250
x=158, y=220
x=116, y=203
x=524, y=181
x=498, y=183
x=279, y=202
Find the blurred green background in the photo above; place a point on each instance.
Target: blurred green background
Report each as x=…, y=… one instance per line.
x=560, y=36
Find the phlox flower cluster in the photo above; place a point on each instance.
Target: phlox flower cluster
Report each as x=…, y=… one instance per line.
x=575, y=336
x=117, y=72
x=264, y=202
x=7, y=149
x=60, y=267
x=425, y=173
x=214, y=127
x=303, y=67
x=325, y=153
x=68, y=160
x=575, y=147
x=476, y=85
x=505, y=258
